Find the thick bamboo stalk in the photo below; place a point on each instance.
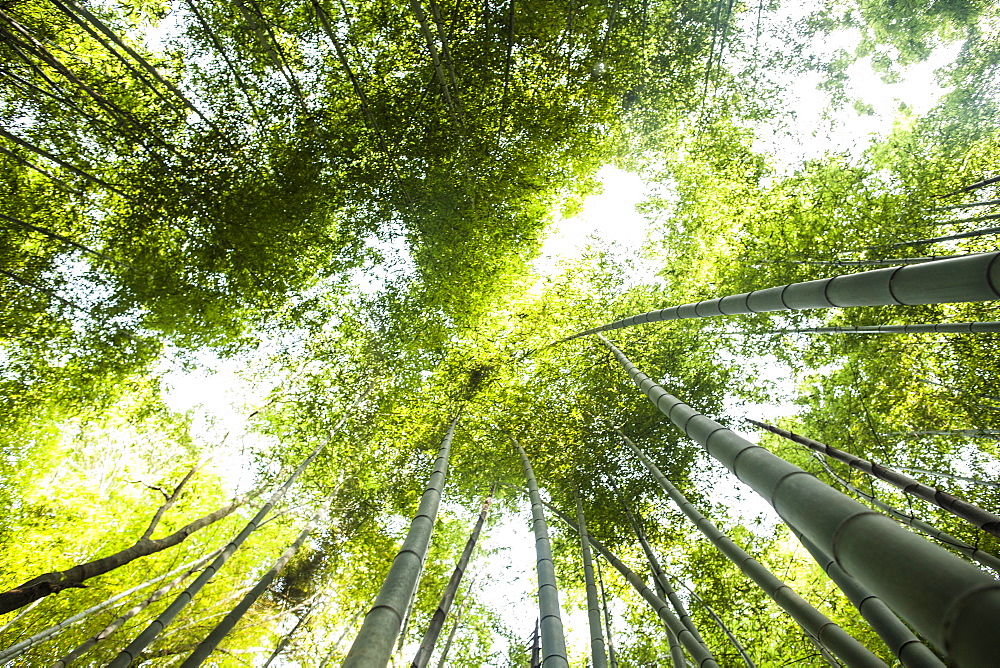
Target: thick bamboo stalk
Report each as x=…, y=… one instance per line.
x=134, y=649
x=895, y=634
x=372, y=647
x=433, y=632
x=970, y=278
x=223, y=628
x=959, y=545
x=698, y=652
x=549, y=613
x=985, y=520
x=598, y=657
x=949, y=602
x=812, y=621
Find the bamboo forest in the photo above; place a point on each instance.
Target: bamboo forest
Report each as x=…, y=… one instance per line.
x=499, y=333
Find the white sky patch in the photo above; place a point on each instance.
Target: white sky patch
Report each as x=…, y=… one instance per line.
x=871, y=109
x=609, y=216
x=220, y=399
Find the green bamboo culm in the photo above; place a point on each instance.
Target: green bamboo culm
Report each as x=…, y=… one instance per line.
x=949, y=602
x=957, y=544
x=817, y=625
x=553, y=640
x=372, y=647
x=894, y=633
x=918, y=328
x=702, y=657
x=433, y=632
x=222, y=629
x=970, y=278
x=597, y=650
x=985, y=520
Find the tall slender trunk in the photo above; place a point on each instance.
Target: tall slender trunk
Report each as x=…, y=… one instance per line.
x=118, y=622
x=970, y=278
x=959, y=545
x=661, y=580
x=23, y=646
x=451, y=634
x=270, y=47
x=62, y=185
x=893, y=563
x=55, y=581
x=109, y=48
x=971, y=219
x=975, y=186
x=965, y=433
x=949, y=237
x=97, y=23
x=223, y=628
x=553, y=641
x=812, y=621
x=597, y=653
x=721, y=624
x=59, y=237
x=985, y=520
x=612, y=654
x=135, y=648
x=970, y=205
x=891, y=262
x=698, y=652
x=220, y=47
x=59, y=161
x=951, y=476
x=430, y=638
x=676, y=651
x=372, y=647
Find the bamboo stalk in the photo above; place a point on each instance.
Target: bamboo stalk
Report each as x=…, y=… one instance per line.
x=956, y=614
x=373, y=645
x=970, y=278
x=550, y=616
x=812, y=621
x=985, y=520
x=597, y=653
